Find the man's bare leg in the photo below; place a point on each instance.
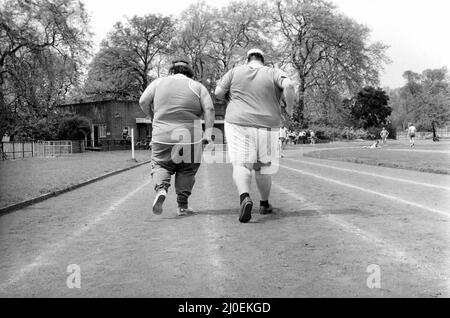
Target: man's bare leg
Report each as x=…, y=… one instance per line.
x=264, y=184
x=242, y=177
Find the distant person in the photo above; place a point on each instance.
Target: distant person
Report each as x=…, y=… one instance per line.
x=375, y=145
x=313, y=137
x=283, y=140
x=297, y=137
x=303, y=136
x=177, y=103
x=252, y=126
x=384, y=135
x=412, y=135
x=291, y=137
x=125, y=133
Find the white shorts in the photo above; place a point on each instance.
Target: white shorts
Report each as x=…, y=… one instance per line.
x=251, y=145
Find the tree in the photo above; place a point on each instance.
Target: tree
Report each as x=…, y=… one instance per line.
x=424, y=100
x=238, y=27
x=126, y=63
x=43, y=45
x=194, y=40
x=370, y=108
x=216, y=40
x=327, y=50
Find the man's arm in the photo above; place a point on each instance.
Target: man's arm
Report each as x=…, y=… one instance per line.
x=209, y=113
x=146, y=100
x=220, y=93
x=286, y=85
x=223, y=86
x=289, y=95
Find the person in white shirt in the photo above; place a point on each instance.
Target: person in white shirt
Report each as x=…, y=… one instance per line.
x=313, y=137
x=384, y=134
x=412, y=135
x=283, y=140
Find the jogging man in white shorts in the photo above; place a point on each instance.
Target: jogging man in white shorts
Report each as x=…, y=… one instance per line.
x=384, y=134
x=283, y=140
x=252, y=125
x=412, y=135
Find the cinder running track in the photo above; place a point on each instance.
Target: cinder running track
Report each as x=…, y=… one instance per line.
x=333, y=221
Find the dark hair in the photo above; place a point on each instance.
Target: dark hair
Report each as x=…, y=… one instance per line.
x=182, y=69
x=257, y=56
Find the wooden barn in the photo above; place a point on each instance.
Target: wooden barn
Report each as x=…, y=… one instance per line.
x=112, y=120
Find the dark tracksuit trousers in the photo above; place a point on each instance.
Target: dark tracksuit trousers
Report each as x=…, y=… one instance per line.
x=183, y=161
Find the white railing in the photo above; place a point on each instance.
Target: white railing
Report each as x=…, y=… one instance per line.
x=53, y=148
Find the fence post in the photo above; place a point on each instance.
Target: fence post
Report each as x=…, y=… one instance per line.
x=23, y=150
x=14, y=152
x=132, y=143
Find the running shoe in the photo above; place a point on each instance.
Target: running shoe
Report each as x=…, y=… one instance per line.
x=266, y=210
x=159, y=200
x=245, y=212
x=185, y=212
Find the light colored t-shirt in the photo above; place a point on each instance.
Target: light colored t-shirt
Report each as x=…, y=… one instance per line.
x=254, y=95
x=177, y=110
x=283, y=133
x=412, y=130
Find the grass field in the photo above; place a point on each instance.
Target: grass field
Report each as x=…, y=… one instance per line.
x=29, y=178
x=32, y=177
x=426, y=157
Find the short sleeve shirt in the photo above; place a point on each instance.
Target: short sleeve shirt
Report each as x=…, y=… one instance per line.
x=178, y=110
x=254, y=96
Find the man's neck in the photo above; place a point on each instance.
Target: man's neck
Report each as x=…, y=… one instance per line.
x=255, y=64
x=179, y=75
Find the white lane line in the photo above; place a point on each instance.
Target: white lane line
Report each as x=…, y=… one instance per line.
x=219, y=273
x=54, y=248
x=387, y=196
x=372, y=174
x=370, y=238
x=421, y=150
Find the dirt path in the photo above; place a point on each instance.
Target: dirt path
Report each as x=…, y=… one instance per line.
x=330, y=226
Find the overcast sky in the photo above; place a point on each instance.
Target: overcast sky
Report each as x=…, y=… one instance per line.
x=417, y=31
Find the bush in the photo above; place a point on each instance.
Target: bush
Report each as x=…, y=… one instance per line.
x=373, y=133
x=392, y=131
x=74, y=127
x=326, y=133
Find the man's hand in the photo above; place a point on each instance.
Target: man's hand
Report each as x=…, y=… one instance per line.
x=207, y=139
